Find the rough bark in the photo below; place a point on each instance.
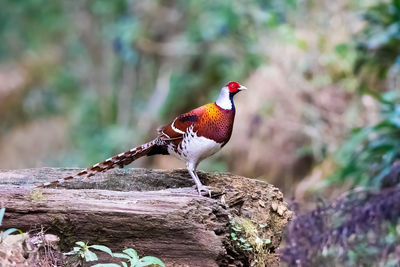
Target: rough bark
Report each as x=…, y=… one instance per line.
x=156, y=212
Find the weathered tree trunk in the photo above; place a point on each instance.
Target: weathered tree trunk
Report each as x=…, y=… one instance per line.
x=156, y=212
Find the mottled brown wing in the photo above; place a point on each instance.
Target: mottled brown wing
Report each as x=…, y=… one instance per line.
x=177, y=128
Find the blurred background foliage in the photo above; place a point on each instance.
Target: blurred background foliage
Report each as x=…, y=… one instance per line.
x=115, y=69
x=83, y=80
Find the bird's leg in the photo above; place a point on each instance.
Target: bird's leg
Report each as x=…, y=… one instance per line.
x=200, y=187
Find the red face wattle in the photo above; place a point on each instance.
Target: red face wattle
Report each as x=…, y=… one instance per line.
x=233, y=87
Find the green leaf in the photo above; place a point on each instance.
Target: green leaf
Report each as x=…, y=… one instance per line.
x=148, y=260
x=72, y=252
x=246, y=245
x=121, y=255
x=132, y=253
x=302, y=44
x=90, y=256
x=267, y=241
x=381, y=148
x=106, y=265
x=124, y=264
x=242, y=240
x=342, y=49
x=394, y=120
x=10, y=231
x=80, y=243
x=2, y=211
x=102, y=248
x=383, y=125
x=236, y=229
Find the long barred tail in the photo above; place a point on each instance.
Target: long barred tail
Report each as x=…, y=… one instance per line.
x=119, y=160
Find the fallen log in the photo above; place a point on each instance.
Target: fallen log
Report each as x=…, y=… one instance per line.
x=156, y=212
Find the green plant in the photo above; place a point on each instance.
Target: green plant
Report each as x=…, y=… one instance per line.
x=3, y=235
x=250, y=238
x=134, y=260
x=378, y=45
x=367, y=157
x=2, y=211
x=84, y=253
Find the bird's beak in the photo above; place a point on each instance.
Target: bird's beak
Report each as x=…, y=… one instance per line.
x=242, y=88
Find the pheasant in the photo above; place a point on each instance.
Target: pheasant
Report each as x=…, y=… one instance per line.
x=191, y=137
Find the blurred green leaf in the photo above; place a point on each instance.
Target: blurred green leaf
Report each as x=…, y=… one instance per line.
x=80, y=243
x=121, y=255
x=102, y=248
x=90, y=256
x=2, y=211
x=131, y=253
x=10, y=231
x=342, y=49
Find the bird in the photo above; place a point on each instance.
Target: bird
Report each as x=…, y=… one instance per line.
x=191, y=137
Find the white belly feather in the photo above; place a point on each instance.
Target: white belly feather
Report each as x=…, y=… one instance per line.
x=195, y=148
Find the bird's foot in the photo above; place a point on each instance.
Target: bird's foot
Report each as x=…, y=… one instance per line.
x=204, y=190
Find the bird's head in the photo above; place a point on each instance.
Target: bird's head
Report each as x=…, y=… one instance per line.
x=234, y=88
x=225, y=98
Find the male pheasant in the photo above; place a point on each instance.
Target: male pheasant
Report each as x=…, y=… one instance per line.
x=191, y=137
